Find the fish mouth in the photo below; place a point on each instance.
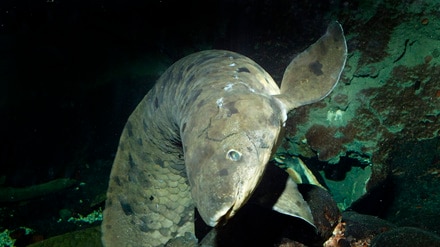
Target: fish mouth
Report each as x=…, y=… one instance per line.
x=219, y=215
x=227, y=212
x=229, y=209
x=226, y=216
x=217, y=207
x=222, y=216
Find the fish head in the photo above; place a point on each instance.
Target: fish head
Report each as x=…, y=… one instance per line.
x=233, y=141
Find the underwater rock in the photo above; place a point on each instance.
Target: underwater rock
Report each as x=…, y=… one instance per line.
x=357, y=230
x=325, y=212
x=423, y=220
x=361, y=228
x=375, y=201
x=406, y=237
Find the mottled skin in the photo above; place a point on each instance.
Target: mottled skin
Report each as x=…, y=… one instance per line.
x=202, y=137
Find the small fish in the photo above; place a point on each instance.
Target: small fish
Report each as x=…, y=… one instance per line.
x=202, y=137
x=297, y=170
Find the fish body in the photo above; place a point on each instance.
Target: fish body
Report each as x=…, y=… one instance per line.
x=202, y=137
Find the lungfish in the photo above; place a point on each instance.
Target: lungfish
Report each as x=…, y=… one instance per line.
x=202, y=138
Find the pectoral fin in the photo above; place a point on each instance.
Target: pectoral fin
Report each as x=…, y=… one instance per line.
x=279, y=192
x=292, y=203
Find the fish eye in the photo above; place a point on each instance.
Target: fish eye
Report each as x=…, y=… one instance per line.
x=233, y=155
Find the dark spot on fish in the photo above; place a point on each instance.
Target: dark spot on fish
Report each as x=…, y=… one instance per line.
x=189, y=67
x=274, y=120
x=108, y=226
x=183, y=128
x=131, y=161
x=266, y=80
x=201, y=103
x=182, y=221
x=193, y=96
x=151, y=198
x=231, y=108
x=223, y=172
x=243, y=69
x=133, y=172
x=263, y=144
x=141, y=177
x=117, y=180
x=156, y=103
x=126, y=207
x=129, y=128
x=159, y=162
x=316, y=68
x=299, y=204
x=190, y=79
x=249, y=149
x=143, y=226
